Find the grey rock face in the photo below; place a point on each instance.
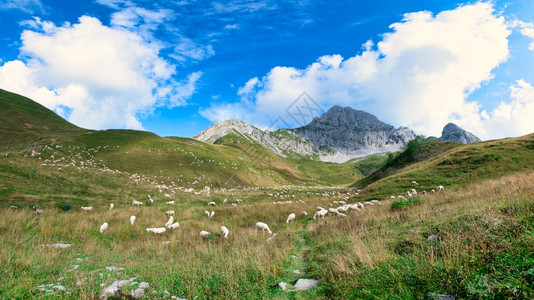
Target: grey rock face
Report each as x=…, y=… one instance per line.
x=452, y=132
x=346, y=129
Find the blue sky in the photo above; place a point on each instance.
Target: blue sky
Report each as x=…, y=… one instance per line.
x=175, y=67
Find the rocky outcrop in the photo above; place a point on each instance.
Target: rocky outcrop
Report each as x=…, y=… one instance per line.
x=280, y=142
x=452, y=132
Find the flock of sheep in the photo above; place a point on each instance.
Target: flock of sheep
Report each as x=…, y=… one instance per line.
x=321, y=212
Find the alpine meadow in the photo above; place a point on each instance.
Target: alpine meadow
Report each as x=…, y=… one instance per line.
x=225, y=150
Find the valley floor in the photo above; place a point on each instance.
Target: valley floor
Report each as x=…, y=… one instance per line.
x=474, y=242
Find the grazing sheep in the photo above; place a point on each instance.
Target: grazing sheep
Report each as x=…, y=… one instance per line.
x=211, y=203
x=401, y=197
x=14, y=207
x=360, y=205
x=391, y=197
x=304, y=213
x=320, y=213
x=414, y=183
x=432, y=191
x=211, y=214
x=290, y=218
x=158, y=230
x=440, y=188
x=111, y=206
x=87, y=208
x=150, y=200
x=238, y=200
x=375, y=202
x=104, y=227
x=408, y=195
x=135, y=202
x=264, y=227
x=224, y=201
x=205, y=234
x=423, y=192
x=342, y=209
x=170, y=202
x=233, y=204
x=132, y=220
x=319, y=208
x=368, y=203
x=174, y=226
x=170, y=221
x=37, y=211
x=333, y=211
x=170, y=213
x=341, y=215
x=224, y=231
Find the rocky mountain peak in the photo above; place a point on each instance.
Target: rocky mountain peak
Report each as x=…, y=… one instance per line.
x=348, y=117
x=454, y=133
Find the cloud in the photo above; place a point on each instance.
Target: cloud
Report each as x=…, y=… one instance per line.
x=512, y=118
x=26, y=6
x=231, y=26
x=104, y=77
x=526, y=29
x=419, y=74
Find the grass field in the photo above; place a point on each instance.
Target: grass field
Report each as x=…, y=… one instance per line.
x=480, y=228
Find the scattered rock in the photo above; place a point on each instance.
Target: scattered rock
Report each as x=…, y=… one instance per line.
x=306, y=284
x=166, y=242
x=446, y=297
x=433, y=238
x=144, y=285
x=138, y=293
x=297, y=272
x=114, y=269
x=113, y=291
x=60, y=287
x=58, y=245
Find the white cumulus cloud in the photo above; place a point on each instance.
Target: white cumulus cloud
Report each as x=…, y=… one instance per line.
x=419, y=75
x=106, y=77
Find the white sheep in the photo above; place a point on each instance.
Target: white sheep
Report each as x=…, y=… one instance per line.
x=440, y=188
x=170, y=213
x=304, y=213
x=224, y=231
x=375, y=202
x=319, y=208
x=158, y=230
x=401, y=197
x=87, y=208
x=204, y=234
x=150, y=200
x=414, y=183
x=170, y=221
x=224, y=201
x=211, y=214
x=132, y=219
x=37, y=211
x=104, y=227
x=135, y=202
x=320, y=213
x=174, y=226
x=391, y=197
x=432, y=191
x=333, y=211
x=111, y=206
x=368, y=203
x=264, y=227
x=211, y=203
x=170, y=202
x=290, y=218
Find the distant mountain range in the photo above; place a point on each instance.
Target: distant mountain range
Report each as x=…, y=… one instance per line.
x=340, y=134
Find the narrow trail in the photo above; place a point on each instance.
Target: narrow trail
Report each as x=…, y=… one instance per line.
x=298, y=267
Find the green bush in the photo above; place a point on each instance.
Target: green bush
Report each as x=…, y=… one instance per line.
x=65, y=206
x=402, y=204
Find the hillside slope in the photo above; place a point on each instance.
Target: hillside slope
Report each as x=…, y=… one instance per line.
x=24, y=121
